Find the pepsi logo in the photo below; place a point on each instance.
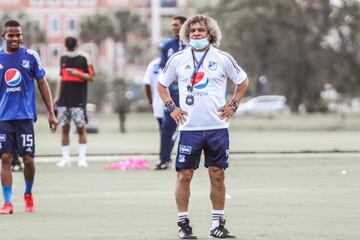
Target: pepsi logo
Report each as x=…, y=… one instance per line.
x=12, y=77
x=201, y=81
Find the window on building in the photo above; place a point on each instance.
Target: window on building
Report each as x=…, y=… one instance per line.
x=71, y=25
x=53, y=2
x=54, y=25
x=168, y=3
x=118, y=1
x=54, y=53
x=71, y=2
x=36, y=2
x=88, y=2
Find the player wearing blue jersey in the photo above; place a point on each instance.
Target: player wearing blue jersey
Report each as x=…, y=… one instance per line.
x=168, y=125
x=202, y=72
x=19, y=67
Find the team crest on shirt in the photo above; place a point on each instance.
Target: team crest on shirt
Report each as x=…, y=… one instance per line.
x=1, y=66
x=212, y=65
x=25, y=63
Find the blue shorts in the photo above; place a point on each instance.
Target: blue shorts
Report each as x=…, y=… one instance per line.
x=215, y=144
x=17, y=136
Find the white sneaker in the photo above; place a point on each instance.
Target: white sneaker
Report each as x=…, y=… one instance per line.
x=63, y=163
x=82, y=163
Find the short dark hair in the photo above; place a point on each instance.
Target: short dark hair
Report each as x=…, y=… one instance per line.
x=182, y=19
x=12, y=23
x=70, y=43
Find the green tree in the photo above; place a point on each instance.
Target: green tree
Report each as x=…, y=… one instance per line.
x=96, y=28
x=286, y=41
x=129, y=24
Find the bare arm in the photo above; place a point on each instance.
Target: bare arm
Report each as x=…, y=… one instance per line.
x=228, y=110
x=57, y=93
x=178, y=114
x=148, y=93
x=85, y=76
x=164, y=93
x=46, y=97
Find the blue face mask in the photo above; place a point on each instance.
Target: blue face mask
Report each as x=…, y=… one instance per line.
x=199, y=43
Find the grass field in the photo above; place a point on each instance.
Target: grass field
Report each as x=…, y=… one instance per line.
x=273, y=197
x=283, y=133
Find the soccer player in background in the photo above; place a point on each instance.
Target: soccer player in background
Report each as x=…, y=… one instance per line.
x=202, y=71
x=150, y=80
x=168, y=126
x=18, y=68
x=76, y=71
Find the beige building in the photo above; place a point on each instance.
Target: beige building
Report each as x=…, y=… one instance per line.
x=61, y=18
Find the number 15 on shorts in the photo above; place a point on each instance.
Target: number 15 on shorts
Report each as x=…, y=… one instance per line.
x=27, y=140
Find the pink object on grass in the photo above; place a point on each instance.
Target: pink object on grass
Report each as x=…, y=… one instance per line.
x=129, y=164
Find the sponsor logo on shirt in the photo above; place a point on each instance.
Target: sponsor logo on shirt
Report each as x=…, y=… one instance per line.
x=184, y=149
x=13, y=79
x=201, y=80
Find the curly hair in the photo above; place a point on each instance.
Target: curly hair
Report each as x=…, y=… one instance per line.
x=211, y=25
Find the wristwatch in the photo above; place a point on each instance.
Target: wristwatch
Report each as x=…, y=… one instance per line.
x=170, y=107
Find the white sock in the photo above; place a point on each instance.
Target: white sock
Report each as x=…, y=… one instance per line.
x=65, y=150
x=182, y=215
x=82, y=151
x=216, y=214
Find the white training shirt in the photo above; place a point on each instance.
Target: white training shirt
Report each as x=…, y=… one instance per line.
x=150, y=78
x=209, y=89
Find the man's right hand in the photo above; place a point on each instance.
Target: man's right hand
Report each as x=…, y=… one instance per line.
x=178, y=115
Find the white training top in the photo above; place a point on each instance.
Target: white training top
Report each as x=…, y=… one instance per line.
x=209, y=88
x=150, y=78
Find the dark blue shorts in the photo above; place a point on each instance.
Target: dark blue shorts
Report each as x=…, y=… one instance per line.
x=215, y=144
x=17, y=136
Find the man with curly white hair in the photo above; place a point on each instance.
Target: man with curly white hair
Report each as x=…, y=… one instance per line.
x=202, y=71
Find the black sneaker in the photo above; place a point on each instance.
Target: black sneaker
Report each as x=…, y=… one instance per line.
x=163, y=166
x=185, y=231
x=221, y=231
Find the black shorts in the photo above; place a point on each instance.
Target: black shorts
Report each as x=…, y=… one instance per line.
x=17, y=136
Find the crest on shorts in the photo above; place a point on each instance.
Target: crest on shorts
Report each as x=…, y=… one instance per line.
x=2, y=138
x=181, y=158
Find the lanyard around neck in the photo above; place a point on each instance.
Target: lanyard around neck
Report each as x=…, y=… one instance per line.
x=197, y=65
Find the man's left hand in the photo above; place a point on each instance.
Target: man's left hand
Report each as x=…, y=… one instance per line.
x=52, y=123
x=226, y=112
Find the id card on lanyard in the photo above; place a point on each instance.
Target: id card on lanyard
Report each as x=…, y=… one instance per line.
x=197, y=64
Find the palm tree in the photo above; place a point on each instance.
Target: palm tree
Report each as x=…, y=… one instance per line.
x=33, y=34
